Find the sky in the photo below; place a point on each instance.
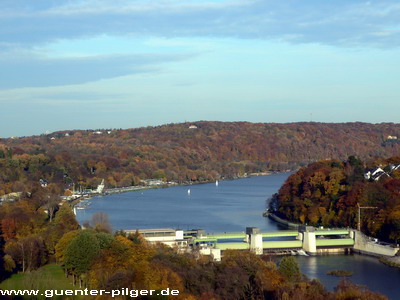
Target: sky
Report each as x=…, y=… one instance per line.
x=91, y=64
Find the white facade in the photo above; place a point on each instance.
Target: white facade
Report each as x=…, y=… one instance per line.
x=167, y=236
x=100, y=187
x=214, y=253
x=256, y=243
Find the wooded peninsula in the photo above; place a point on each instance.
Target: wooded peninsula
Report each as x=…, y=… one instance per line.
x=333, y=193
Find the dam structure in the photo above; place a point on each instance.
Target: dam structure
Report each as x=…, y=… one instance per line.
x=306, y=239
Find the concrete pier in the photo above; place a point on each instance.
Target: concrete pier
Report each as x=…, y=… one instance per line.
x=309, y=239
x=255, y=239
x=366, y=245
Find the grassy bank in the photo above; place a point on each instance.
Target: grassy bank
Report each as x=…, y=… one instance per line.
x=45, y=278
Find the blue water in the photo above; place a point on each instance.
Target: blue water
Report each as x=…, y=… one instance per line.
x=231, y=207
x=367, y=271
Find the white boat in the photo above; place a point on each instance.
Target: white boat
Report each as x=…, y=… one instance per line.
x=216, y=183
x=189, y=192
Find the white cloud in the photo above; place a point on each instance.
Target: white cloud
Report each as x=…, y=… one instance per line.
x=344, y=23
x=34, y=71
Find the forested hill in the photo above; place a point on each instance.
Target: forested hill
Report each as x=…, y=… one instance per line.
x=328, y=193
x=195, y=151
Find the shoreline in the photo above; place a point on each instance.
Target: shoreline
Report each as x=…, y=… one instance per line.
x=279, y=220
x=134, y=188
x=393, y=262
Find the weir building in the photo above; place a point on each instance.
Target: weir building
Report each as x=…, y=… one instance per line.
x=306, y=240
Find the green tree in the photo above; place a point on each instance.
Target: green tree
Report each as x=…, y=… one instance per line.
x=290, y=268
x=81, y=252
x=105, y=240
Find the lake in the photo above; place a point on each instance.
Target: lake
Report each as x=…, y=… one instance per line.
x=232, y=206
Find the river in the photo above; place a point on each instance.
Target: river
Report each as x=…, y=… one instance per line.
x=232, y=206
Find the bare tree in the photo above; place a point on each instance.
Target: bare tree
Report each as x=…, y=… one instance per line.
x=51, y=204
x=100, y=222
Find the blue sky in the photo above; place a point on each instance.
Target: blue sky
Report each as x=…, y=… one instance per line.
x=129, y=63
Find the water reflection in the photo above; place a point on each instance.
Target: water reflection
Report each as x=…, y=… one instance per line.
x=311, y=266
x=367, y=271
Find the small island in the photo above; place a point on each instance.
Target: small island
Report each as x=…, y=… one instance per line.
x=340, y=273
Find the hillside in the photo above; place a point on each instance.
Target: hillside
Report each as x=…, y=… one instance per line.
x=176, y=152
x=329, y=193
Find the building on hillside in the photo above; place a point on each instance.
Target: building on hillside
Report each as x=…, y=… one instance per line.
x=394, y=167
x=152, y=182
x=100, y=187
x=11, y=197
x=375, y=174
x=167, y=236
x=43, y=182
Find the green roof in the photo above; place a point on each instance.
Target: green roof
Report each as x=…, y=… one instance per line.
x=282, y=244
x=227, y=236
x=232, y=246
x=332, y=232
x=280, y=233
x=334, y=242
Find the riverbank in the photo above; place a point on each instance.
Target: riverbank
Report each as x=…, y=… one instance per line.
x=391, y=261
x=158, y=184
x=280, y=221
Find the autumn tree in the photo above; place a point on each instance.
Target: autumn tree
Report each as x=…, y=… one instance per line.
x=62, y=245
x=28, y=253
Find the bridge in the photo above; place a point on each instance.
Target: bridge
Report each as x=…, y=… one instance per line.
x=307, y=238
x=311, y=240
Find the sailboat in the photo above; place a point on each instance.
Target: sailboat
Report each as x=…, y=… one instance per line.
x=188, y=192
x=216, y=183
